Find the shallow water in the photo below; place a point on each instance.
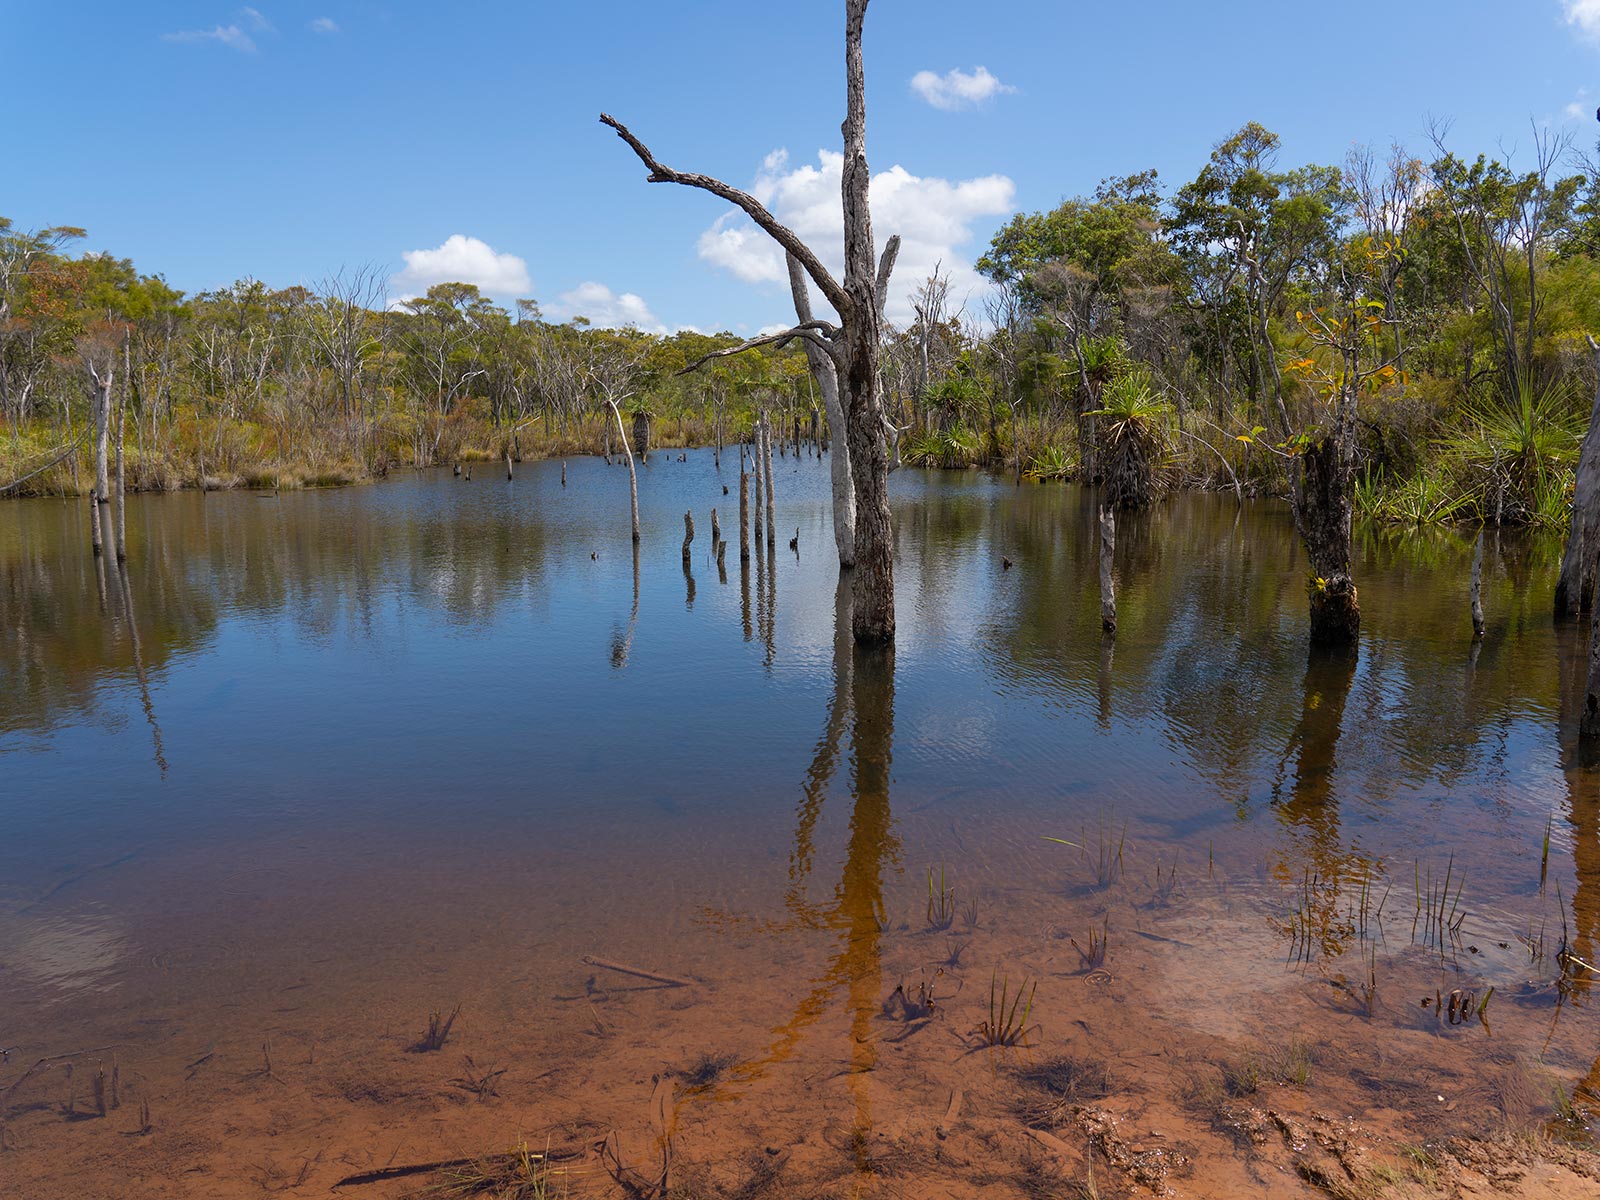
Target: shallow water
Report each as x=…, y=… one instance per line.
x=318, y=763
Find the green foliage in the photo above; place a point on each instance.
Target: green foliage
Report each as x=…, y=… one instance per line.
x=942, y=448
x=1516, y=454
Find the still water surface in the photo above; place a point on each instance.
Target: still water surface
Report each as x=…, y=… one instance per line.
x=431, y=740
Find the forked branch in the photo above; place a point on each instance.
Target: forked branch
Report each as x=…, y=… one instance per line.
x=815, y=332
x=753, y=208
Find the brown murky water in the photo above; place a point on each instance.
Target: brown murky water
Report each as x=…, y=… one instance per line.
x=317, y=766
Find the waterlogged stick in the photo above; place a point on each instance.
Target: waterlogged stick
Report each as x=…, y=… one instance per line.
x=624, y=969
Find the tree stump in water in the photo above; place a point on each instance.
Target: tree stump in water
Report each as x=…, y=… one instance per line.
x=772, y=532
x=1477, y=588
x=120, y=520
x=1575, y=587
x=1589, y=723
x=716, y=530
x=744, y=515
x=688, y=534
x=94, y=525
x=1324, y=516
x=1108, y=587
x=755, y=458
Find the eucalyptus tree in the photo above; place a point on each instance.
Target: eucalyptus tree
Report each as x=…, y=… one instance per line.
x=852, y=344
x=1248, y=234
x=344, y=329
x=438, y=332
x=1505, y=224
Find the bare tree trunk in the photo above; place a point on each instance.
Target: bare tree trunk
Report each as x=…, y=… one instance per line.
x=1108, y=587
x=755, y=458
x=633, y=474
x=1323, y=513
x=1477, y=588
x=688, y=534
x=872, y=585
x=94, y=525
x=853, y=345
x=120, y=510
x=744, y=512
x=827, y=379
x=716, y=531
x=1589, y=722
x=102, y=434
x=641, y=435
x=1575, y=587
x=766, y=434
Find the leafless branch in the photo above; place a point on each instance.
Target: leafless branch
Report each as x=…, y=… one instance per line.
x=757, y=212
x=811, y=331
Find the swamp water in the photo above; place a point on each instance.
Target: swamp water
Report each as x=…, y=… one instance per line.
x=318, y=766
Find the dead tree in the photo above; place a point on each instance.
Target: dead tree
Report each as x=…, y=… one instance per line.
x=852, y=345
x=827, y=380
x=1575, y=587
x=1477, y=588
x=1108, y=587
x=744, y=511
x=120, y=509
x=633, y=474
x=755, y=458
x=688, y=535
x=102, y=431
x=766, y=473
x=1589, y=722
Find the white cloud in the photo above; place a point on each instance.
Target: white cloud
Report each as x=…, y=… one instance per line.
x=461, y=259
x=606, y=309
x=324, y=25
x=1585, y=14
x=235, y=35
x=933, y=217
x=959, y=89
x=227, y=35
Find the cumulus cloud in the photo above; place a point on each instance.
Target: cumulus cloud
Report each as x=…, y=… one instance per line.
x=960, y=89
x=1584, y=15
x=461, y=259
x=933, y=217
x=324, y=25
x=606, y=309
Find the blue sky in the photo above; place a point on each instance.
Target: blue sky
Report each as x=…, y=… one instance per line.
x=209, y=141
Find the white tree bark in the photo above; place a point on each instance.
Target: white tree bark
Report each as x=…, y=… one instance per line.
x=633, y=475
x=827, y=379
